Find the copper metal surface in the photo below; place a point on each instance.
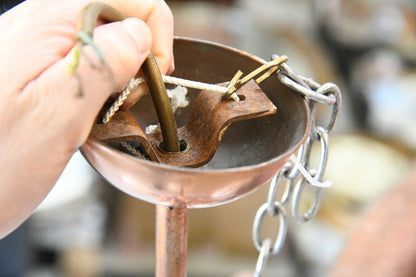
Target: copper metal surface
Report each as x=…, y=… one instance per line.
x=171, y=240
x=250, y=152
x=208, y=120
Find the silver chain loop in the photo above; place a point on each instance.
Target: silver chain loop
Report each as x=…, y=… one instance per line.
x=330, y=90
x=291, y=173
x=274, y=187
x=317, y=175
x=279, y=210
x=263, y=257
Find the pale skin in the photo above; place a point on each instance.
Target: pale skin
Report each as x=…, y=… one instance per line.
x=43, y=120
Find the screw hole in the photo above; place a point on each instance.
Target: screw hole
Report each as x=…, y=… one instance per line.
x=183, y=147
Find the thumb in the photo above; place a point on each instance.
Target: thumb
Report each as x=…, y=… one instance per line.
x=122, y=48
x=123, y=45
x=47, y=116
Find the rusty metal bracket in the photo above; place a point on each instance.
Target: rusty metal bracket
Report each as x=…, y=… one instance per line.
x=209, y=118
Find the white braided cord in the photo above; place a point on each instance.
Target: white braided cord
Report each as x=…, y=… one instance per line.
x=133, y=83
x=192, y=84
x=132, y=150
x=166, y=79
x=308, y=176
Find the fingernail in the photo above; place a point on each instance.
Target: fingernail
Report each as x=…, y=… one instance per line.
x=172, y=65
x=139, y=32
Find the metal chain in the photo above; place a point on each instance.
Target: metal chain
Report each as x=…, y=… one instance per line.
x=294, y=174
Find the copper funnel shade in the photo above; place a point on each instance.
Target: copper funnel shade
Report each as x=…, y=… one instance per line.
x=250, y=152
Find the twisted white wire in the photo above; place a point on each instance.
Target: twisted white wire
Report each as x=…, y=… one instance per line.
x=129, y=147
x=308, y=176
x=192, y=84
x=166, y=79
x=133, y=83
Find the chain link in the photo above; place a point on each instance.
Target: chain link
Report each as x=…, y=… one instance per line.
x=263, y=257
x=331, y=90
x=279, y=210
x=297, y=173
x=316, y=174
x=274, y=187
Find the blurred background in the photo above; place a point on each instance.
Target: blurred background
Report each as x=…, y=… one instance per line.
x=88, y=228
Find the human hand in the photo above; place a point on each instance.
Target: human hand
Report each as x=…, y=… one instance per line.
x=42, y=118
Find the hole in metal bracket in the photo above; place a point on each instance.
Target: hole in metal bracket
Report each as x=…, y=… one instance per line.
x=183, y=148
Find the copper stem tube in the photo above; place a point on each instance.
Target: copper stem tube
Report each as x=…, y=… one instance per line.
x=171, y=241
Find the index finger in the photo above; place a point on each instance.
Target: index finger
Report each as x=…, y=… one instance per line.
x=157, y=15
